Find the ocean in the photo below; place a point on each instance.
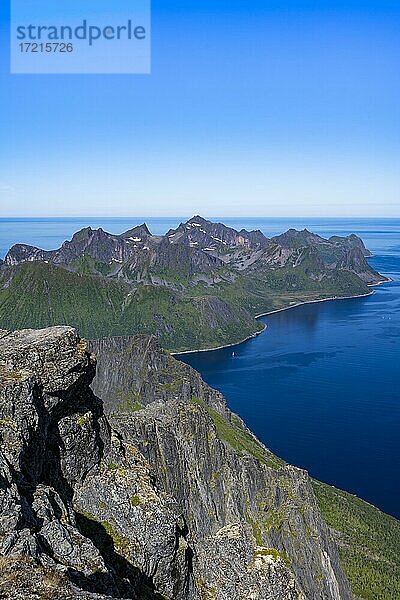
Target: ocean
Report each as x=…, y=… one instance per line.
x=320, y=386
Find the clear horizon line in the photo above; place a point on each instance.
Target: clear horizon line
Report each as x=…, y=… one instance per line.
x=102, y=216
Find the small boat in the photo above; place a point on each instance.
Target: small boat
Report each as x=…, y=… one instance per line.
x=233, y=354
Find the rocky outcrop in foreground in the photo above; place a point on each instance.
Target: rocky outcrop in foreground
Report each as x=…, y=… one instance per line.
x=167, y=497
x=71, y=522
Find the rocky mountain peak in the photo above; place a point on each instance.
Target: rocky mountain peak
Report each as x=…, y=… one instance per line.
x=200, y=233
x=199, y=220
x=85, y=232
x=351, y=241
x=293, y=238
x=141, y=231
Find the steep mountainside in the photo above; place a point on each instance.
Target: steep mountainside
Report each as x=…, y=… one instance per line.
x=200, y=285
x=148, y=396
x=78, y=504
x=176, y=500
x=169, y=496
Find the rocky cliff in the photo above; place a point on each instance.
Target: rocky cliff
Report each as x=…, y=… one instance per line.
x=169, y=497
x=254, y=526
x=161, y=404
x=71, y=523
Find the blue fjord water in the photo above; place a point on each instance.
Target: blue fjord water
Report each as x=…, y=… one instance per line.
x=320, y=386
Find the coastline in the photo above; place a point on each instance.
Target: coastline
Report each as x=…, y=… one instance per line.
x=271, y=312
x=246, y=339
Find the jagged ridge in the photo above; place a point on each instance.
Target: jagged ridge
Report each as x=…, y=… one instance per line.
x=199, y=286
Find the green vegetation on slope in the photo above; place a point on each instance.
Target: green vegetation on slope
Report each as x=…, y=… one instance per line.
x=239, y=438
x=276, y=289
x=368, y=539
x=369, y=543
x=38, y=294
x=183, y=322
x=41, y=295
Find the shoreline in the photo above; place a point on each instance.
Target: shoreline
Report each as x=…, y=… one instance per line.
x=271, y=312
x=246, y=339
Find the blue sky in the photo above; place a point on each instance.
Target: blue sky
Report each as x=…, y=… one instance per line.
x=252, y=108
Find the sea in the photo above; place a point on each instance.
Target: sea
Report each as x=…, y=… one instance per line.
x=320, y=386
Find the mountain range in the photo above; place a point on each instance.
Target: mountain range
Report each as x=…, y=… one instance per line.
x=199, y=285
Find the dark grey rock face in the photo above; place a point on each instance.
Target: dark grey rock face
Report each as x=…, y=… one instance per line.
x=98, y=244
x=253, y=523
x=169, y=497
x=202, y=233
x=198, y=247
x=351, y=241
x=76, y=500
x=343, y=253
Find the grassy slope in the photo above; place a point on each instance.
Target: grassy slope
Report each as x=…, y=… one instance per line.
x=369, y=543
x=42, y=295
x=184, y=322
x=273, y=290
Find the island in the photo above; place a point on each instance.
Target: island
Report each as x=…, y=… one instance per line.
x=199, y=286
